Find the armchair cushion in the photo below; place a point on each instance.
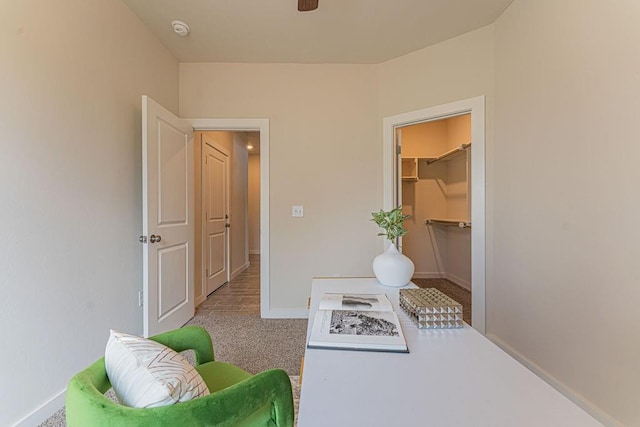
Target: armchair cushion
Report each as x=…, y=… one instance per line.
x=147, y=374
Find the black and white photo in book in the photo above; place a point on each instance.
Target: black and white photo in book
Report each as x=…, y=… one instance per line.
x=372, y=302
x=358, y=301
x=372, y=323
x=357, y=322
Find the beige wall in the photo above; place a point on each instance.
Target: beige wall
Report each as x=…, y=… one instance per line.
x=565, y=285
x=458, y=131
x=427, y=139
x=324, y=154
x=254, y=203
x=425, y=198
x=456, y=69
x=560, y=176
x=72, y=77
x=458, y=258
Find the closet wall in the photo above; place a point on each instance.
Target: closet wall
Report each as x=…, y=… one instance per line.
x=438, y=190
x=254, y=203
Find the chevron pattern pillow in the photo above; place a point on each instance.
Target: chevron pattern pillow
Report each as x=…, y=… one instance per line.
x=147, y=374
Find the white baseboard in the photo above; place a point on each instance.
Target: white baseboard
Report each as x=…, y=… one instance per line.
x=200, y=300
x=443, y=275
x=285, y=313
x=44, y=411
x=254, y=251
x=239, y=270
x=568, y=392
x=458, y=281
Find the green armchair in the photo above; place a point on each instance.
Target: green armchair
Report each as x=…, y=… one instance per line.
x=237, y=398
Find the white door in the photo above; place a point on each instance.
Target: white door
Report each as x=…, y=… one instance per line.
x=167, y=219
x=215, y=203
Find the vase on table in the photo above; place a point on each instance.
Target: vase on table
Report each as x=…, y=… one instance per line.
x=392, y=268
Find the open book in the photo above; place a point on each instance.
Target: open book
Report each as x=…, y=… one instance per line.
x=357, y=322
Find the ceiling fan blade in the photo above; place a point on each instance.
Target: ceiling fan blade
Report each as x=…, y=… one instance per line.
x=307, y=5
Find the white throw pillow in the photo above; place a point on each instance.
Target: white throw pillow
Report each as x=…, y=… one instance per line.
x=147, y=374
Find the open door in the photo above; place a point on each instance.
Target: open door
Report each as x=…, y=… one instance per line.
x=167, y=219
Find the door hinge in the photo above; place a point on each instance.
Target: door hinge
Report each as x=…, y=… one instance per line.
x=206, y=272
x=142, y=239
x=140, y=298
x=398, y=149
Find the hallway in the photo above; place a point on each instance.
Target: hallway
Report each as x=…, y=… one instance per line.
x=240, y=296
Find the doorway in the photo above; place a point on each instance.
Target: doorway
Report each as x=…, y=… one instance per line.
x=260, y=129
x=392, y=192
x=223, y=226
x=434, y=191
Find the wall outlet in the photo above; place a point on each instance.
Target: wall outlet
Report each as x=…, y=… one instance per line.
x=297, y=211
x=140, y=298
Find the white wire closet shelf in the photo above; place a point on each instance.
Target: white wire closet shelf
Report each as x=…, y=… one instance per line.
x=448, y=222
x=449, y=155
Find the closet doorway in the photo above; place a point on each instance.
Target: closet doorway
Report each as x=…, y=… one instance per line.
x=434, y=167
x=435, y=190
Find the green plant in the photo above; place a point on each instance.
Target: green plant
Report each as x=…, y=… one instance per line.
x=390, y=222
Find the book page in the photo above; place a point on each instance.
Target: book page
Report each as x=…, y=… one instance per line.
x=353, y=301
x=370, y=323
x=357, y=330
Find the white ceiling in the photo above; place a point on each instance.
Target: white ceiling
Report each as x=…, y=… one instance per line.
x=339, y=31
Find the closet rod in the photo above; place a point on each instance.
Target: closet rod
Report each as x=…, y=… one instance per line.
x=458, y=223
x=449, y=153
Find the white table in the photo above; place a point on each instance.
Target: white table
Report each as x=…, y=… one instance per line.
x=451, y=377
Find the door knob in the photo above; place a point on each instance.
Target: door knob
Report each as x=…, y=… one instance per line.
x=153, y=238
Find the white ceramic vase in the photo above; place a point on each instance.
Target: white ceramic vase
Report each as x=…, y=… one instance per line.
x=393, y=268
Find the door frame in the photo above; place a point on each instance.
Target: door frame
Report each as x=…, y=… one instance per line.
x=262, y=126
x=476, y=107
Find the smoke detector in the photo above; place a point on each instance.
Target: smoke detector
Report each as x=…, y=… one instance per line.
x=180, y=28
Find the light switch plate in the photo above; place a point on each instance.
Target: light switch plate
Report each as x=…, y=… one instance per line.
x=297, y=211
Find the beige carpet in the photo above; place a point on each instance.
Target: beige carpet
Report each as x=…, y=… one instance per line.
x=256, y=344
